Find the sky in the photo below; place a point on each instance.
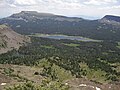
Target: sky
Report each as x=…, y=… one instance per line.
x=83, y=8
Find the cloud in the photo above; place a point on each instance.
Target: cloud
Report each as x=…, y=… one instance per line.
x=21, y=2
x=96, y=8
x=100, y=2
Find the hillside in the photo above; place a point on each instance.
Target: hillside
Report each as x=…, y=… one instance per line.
x=110, y=19
x=10, y=40
x=30, y=22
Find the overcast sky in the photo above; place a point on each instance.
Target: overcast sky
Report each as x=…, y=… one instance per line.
x=92, y=8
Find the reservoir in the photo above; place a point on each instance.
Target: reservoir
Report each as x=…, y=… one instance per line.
x=54, y=36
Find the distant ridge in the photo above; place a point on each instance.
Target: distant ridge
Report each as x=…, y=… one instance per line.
x=112, y=18
x=34, y=13
x=27, y=22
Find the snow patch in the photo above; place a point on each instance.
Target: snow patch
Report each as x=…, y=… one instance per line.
x=2, y=84
x=66, y=84
x=18, y=26
x=84, y=85
x=98, y=88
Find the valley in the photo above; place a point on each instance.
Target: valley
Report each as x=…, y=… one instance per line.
x=43, y=51
x=96, y=63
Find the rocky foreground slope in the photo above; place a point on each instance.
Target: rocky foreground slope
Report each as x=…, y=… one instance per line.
x=10, y=40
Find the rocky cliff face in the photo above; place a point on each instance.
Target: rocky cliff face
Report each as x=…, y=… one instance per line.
x=10, y=40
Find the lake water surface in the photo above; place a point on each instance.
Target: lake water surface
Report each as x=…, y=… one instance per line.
x=65, y=37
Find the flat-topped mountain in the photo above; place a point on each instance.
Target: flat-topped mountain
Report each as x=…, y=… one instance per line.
x=10, y=40
x=33, y=15
x=29, y=15
x=30, y=22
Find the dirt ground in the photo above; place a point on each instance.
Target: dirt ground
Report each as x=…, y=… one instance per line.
x=22, y=73
x=83, y=84
x=19, y=75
